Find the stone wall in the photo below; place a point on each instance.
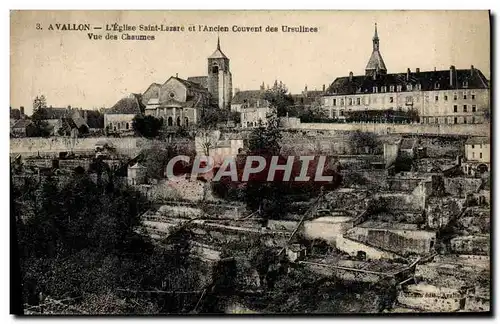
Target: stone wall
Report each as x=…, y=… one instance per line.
x=385, y=128
x=461, y=186
x=352, y=248
x=32, y=146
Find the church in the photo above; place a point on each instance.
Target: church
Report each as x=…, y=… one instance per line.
x=180, y=102
x=451, y=96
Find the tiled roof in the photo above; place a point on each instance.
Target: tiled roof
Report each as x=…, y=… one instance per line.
x=129, y=105
x=55, y=112
x=249, y=97
x=428, y=80
x=201, y=80
x=22, y=123
x=477, y=140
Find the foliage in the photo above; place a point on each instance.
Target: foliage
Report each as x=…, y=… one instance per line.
x=155, y=159
x=313, y=114
x=81, y=241
x=147, y=126
x=41, y=127
x=280, y=101
x=383, y=116
x=360, y=142
x=39, y=102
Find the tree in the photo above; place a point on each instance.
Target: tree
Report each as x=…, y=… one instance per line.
x=315, y=113
x=39, y=117
x=39, y=102
x=206, y=139
x=147, y=126
x=280, y=101
x=364, y=142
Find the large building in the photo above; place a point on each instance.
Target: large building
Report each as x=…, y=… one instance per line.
x=453, y=96
x=253, y=107
x=178, y=101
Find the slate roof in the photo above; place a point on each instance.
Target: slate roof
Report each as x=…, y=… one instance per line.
x=428, y=80
x=201, y=80
x=477, y=140
x=376, y=62
x=249, y=97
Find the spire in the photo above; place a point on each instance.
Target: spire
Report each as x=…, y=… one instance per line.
x=375, y=37
x=375, y=64
x=218, y=39
x=218, y=53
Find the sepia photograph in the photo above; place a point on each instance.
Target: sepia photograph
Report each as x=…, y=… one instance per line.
x=250, y=163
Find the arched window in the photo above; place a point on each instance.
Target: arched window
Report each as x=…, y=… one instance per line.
x=186, y=121
x=126, y=126
x=170, y=121
x=178, y=121
x=215, y=68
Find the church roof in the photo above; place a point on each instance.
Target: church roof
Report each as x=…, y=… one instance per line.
x=218, y=52
x=201, y=80
x=189, y=84
x=376, y=62
x=428, y=80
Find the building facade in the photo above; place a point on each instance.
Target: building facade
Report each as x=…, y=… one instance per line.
x=179, y=102
x=453, y=96
x=253, y=107
x=119, y=117
x=477, y=156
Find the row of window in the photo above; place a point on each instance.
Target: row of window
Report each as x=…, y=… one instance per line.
x=455, y=97
x=409, y=87
x=450, y=120
x=398, y=88
x=119, y=126
x=356, y=101
x=455, y=108
x=474, y=154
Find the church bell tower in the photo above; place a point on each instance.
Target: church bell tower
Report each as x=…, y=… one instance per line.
x=219, y=78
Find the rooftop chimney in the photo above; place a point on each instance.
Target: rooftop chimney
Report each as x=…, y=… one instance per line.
x=452, y=75
x=472, y=70
x=434, y=69
x=177, y=75
x=417, y=70
x=324, y=88
x=350, y=76
x=408, y=74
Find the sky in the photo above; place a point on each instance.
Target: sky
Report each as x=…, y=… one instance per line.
x=70, y=69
